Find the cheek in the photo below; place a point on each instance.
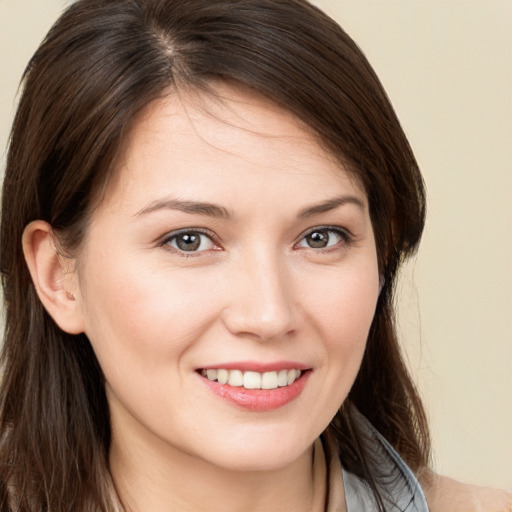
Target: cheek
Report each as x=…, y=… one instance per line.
x=135, y=317
x=340, y=306
x=342, y=311
x=343, y=302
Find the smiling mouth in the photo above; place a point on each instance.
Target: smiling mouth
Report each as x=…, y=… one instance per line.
x=251, y=379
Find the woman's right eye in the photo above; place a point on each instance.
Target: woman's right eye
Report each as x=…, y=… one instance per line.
x=190, y=242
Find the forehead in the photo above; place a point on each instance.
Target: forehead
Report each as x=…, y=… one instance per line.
x=234, y=140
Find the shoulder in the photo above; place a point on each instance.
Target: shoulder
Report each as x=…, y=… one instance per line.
x=448, y=495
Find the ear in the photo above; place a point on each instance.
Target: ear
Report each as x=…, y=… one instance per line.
x=54, y=276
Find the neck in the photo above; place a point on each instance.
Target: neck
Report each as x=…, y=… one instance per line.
x=151, y=475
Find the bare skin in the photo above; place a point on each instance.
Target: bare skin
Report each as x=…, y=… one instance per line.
x=280, y=274
x=445, y=494
x=256, y=287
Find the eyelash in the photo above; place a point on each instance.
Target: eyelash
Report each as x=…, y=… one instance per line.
x=345, y=236
x=194, y=231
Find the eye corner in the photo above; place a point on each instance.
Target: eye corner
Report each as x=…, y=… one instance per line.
x=342, y=237
x=195, y=242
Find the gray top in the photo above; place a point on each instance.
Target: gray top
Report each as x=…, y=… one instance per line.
x=400, y=489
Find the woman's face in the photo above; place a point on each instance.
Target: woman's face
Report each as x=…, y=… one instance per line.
x=230, y=246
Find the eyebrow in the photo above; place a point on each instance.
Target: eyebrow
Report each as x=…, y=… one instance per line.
x=192, y=207
x=214, y=210
x=330, y=204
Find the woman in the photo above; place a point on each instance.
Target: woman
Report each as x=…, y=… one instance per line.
x=204, y=209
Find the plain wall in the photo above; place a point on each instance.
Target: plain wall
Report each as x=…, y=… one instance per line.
x=447, y=67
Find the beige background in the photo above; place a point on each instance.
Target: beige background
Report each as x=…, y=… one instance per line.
x=447, y=67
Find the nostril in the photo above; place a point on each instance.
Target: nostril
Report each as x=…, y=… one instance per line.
x=252, y=322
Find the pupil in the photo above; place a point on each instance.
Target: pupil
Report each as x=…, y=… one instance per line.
x=318, y=239
x=188, y=242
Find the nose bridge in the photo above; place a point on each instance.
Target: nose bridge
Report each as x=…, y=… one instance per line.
x=262, y=305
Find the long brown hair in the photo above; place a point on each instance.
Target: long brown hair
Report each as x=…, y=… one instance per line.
x=101, y=63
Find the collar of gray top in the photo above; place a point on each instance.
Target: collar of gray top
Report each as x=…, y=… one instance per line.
x=400, y=489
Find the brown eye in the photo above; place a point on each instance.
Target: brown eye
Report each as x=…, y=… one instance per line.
x=318, y=239
x=322, y=238
x=190, y=241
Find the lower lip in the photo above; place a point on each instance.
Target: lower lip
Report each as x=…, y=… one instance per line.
x=258, y=399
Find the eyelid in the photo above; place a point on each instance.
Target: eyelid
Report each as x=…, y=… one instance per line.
x=339, y=229
x=164, y=241
x=344, y=233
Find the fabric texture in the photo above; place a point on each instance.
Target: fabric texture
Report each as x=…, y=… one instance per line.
x=400, y=489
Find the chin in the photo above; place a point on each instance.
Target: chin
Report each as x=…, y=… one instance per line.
x=258, y=454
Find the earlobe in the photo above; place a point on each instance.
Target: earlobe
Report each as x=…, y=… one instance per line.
x=53, y=276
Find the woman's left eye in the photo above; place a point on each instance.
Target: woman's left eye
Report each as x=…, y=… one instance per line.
x=323, y=238
x=190, y=242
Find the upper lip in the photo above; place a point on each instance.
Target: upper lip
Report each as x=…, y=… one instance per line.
x=257, y=366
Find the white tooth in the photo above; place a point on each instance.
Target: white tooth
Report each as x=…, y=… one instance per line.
x=236, y=378
x=203, y=372
x=298, y=373
x=222, y=376
x=292, y=375
x=211, y=374
x=282, y=378
x=252, y=380
x=269, y=380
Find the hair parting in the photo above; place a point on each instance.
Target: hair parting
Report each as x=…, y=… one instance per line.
x=103, y=62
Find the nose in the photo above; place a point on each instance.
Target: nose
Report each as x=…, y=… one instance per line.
x=262, y=303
